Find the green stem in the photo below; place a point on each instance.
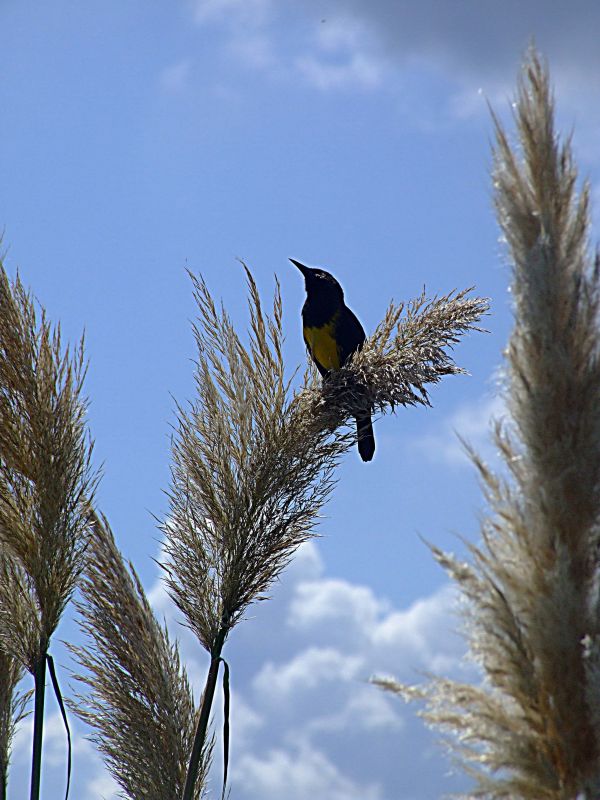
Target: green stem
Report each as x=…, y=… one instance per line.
x=203, y=719
x=39, y=676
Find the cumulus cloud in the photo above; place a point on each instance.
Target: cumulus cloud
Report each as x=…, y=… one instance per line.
x=318, y=727
x=305, y=721
x=311, y=669
x=319, y=603
x=422, y=635
x=55, y=742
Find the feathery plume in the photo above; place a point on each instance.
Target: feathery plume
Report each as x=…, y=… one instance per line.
x=12, y=702
x=46, y=485
x=250, y=473
x=532, y=588
x=248, y=477
x=408, y=351
x=140, y=703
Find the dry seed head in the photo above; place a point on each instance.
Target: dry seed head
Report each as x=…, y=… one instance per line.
x=533, y=729
x=139, y=702
x=408, y=352
x=12, y=703
x=250, y=471
x=46, y=483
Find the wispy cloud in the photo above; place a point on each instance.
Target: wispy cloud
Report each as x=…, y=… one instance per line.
x=232, y=12
x=365, y=711
x=340, y=55
x=471, y=49
x=471, y=422
x=254, y=49
x=298, y=773
x=478, y=41
x=357, y=70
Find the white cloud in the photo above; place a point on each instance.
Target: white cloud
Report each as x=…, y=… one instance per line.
x=311, y=669
x=315, y=705
x=340, y=33
x=245, y=31
x=357, y=70
x=319, y=602
x=478, y=48
x=478, y=40
x=247, y=721
x=307, y=563
x=55, y=741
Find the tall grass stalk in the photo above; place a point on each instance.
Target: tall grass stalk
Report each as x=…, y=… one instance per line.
x=532, y=730
x=46, y=486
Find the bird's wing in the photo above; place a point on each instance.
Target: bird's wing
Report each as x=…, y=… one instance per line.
x=350, y=334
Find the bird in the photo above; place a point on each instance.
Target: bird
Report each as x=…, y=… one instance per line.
x=332, y=334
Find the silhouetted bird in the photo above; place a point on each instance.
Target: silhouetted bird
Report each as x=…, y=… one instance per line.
x=332, y=334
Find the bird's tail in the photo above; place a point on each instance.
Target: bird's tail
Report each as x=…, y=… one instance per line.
x=366, y=439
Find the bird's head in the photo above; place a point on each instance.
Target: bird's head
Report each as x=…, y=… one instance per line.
x=320, y=283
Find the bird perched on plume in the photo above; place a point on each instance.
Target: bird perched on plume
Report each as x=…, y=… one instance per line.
x=333, y=334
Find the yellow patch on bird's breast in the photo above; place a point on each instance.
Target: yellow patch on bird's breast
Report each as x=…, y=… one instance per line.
x=323, y=346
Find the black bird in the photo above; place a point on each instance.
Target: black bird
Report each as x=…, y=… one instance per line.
x=332, y=334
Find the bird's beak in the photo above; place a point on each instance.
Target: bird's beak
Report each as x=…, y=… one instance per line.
x=304, y=270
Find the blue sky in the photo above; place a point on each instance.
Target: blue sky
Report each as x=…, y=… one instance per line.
x=140, y=140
